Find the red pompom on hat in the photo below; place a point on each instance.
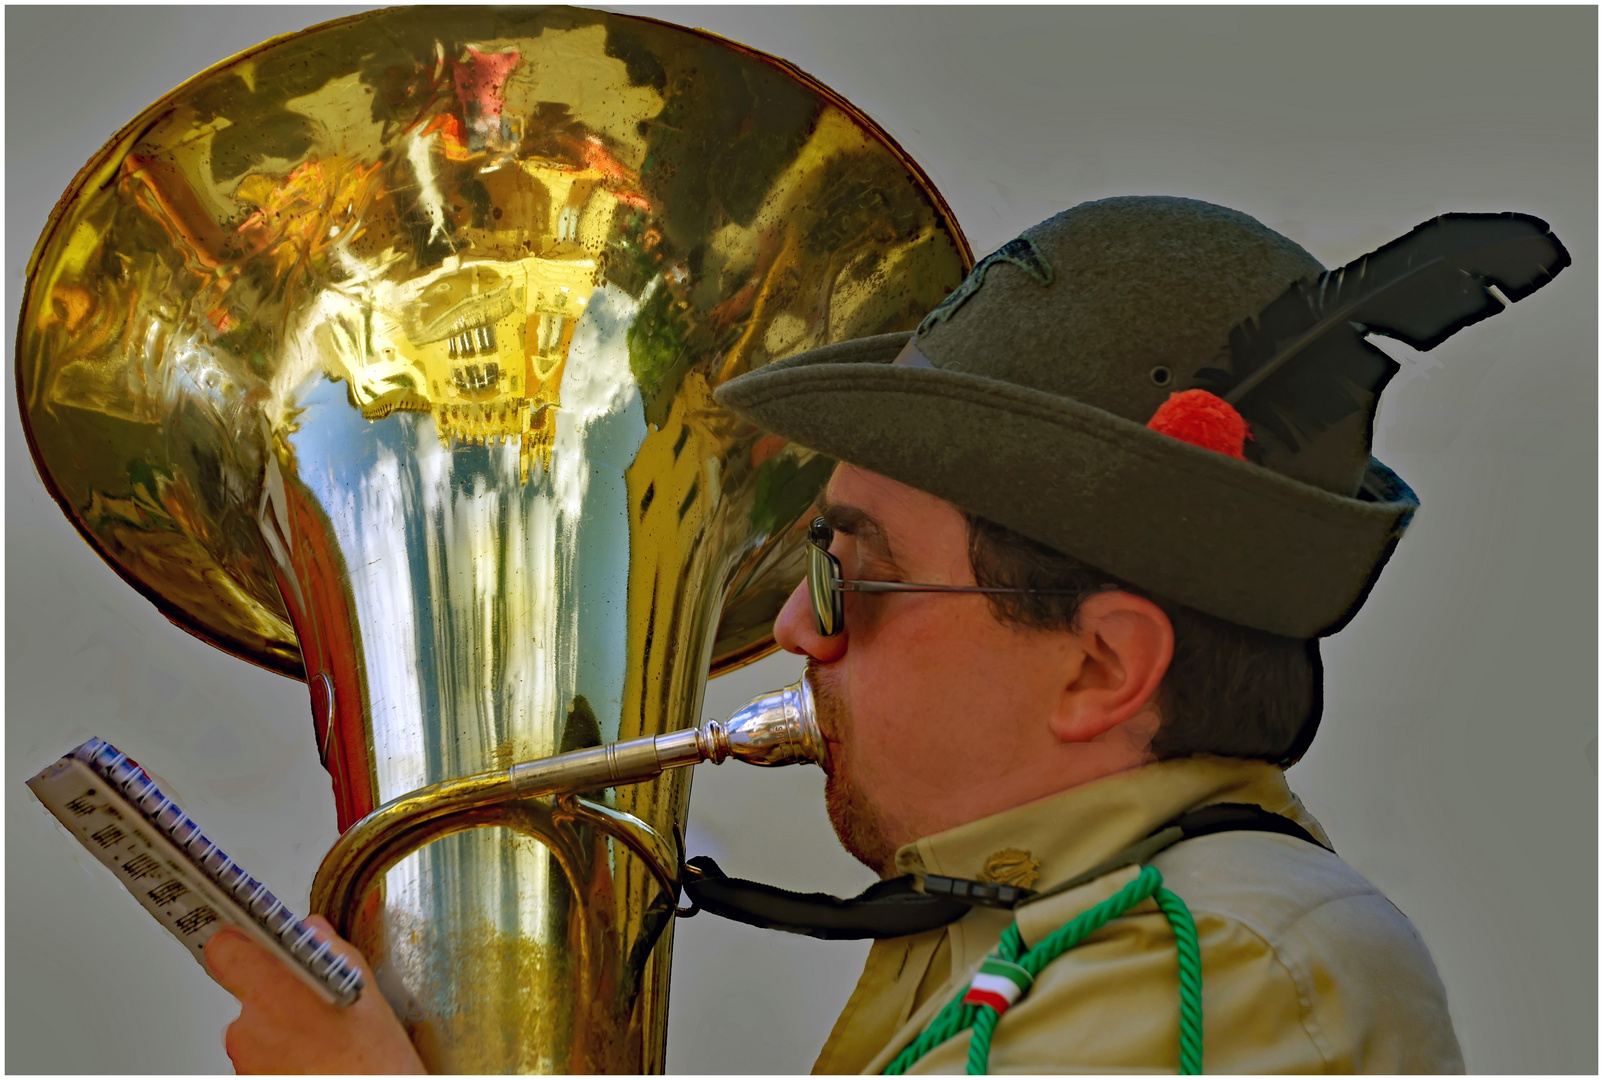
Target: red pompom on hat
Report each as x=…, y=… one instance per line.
x=1202, y=419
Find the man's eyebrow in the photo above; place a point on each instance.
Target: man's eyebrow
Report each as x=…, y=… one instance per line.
x=859, y=523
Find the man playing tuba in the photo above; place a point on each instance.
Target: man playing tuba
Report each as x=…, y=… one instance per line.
x=1115, y=510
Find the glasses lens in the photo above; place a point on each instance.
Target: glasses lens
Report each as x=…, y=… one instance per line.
x=823, y=581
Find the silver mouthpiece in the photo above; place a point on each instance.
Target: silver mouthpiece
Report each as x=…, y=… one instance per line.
x=777, y=728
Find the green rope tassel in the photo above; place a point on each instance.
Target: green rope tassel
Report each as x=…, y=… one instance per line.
x=980, y=1020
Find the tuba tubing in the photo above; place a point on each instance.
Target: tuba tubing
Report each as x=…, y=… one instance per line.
x=776, y=728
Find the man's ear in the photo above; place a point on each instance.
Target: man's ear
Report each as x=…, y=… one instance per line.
x=1125, y=645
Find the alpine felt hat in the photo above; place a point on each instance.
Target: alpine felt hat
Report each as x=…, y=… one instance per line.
x=1025, y=396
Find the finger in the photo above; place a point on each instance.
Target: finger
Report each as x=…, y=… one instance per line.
x=230, y=957
x=246, y=969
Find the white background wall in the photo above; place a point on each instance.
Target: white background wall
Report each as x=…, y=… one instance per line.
x=1458, y=763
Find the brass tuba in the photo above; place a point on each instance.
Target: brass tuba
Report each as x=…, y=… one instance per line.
x=382, y=356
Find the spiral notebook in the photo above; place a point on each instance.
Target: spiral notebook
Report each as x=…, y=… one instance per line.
x=160, y=855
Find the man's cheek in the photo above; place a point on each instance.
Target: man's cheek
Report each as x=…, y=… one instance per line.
x=908, y=749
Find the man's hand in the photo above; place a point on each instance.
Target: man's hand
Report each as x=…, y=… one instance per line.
x=284, y=1027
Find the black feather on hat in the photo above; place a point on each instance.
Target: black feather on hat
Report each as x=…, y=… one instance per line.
x=1025, y=396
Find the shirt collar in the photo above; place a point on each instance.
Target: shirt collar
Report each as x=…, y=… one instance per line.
x=1051, y=840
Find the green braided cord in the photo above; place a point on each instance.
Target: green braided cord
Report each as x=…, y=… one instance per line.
x=979, y=1040
x=951, y=1020
x=1055, y=945
x=1190, y=954
x=956, y=1016
x=1090, y=921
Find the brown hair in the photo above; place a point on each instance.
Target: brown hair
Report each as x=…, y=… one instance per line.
x=1230, y=690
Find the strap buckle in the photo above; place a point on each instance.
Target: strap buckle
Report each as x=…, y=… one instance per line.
x=982, y=893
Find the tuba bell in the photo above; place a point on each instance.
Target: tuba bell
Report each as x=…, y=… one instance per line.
x=382, y=356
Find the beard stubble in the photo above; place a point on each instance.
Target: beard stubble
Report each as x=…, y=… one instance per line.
x=856, y=822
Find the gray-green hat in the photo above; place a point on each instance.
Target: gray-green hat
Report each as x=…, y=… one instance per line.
x=1044, y=367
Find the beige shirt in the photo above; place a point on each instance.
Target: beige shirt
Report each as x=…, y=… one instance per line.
x=1306, y=967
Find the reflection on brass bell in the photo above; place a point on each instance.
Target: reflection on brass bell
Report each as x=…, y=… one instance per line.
x=271, y=307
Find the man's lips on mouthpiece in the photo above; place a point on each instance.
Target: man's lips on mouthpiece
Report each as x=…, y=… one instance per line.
x=821, y=712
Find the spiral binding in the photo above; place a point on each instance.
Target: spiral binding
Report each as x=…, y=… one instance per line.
x=304, y=942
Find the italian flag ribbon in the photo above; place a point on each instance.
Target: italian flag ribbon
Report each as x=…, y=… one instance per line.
x=999, y=983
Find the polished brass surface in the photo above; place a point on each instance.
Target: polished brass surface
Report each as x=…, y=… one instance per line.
x=382, y=355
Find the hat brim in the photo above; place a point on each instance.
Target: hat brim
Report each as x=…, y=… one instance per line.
x=1221, y=535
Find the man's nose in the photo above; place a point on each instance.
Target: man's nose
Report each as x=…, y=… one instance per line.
x=796, y=630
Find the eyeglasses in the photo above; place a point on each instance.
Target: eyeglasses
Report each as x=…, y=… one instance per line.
x=828, y=589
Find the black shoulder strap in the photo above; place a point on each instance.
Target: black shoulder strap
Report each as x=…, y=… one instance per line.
x=1218, y=818
x=885, y=909
x=898, y=907
x=1237, y=817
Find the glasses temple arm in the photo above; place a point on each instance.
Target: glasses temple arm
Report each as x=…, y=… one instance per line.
x=851, y=585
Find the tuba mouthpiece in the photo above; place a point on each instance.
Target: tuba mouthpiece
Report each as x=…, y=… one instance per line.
x=776, y=728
